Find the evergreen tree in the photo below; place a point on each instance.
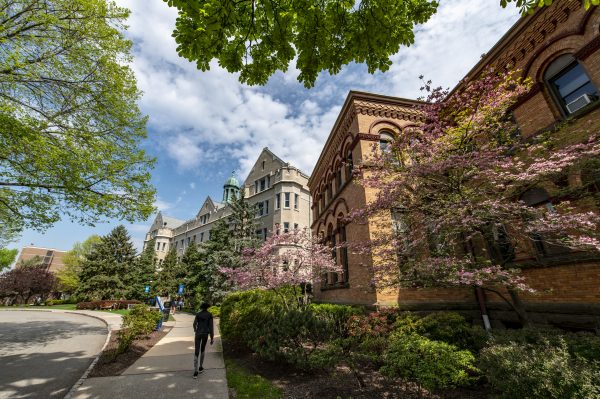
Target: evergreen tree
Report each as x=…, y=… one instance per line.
x=192, y=262
x=219, y=252
x=243, y=224
x=104, y=273
x=170, y=275
x=142, y=273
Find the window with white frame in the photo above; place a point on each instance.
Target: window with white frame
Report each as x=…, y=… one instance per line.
x=286, y=227
x=570, y=84
x=286, y=202
x=296, y=201
x=277, y=200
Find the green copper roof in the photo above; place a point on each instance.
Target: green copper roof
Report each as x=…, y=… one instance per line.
x=232, y=181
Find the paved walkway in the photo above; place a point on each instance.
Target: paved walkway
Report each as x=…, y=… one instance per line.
x=165, y=371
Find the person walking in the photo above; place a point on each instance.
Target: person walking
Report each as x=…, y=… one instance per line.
x=203, y=328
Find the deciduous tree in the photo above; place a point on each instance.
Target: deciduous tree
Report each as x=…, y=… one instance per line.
x=453, y=190
x=26, y=282
x=529, y=6
x=70, y=126
x=258, y=38
x=285, y=260
x=7, y=257
x=68, y=276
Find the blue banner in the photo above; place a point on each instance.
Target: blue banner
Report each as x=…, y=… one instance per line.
x=147, y=289
x=180, y=291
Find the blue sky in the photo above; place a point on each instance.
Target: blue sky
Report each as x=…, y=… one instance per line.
x=204, y=125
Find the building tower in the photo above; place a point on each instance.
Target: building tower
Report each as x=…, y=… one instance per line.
x=231, y=189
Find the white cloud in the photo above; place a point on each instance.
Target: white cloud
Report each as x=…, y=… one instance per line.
x=202, y=117
x=162, y=205
x=192, y=185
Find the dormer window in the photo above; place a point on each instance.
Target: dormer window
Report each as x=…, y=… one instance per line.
x=570, y=84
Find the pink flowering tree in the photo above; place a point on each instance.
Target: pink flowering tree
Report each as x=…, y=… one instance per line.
x=453, y=188
x=285, y=261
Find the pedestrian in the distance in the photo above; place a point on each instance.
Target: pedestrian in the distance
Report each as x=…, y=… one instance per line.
x=203, y=328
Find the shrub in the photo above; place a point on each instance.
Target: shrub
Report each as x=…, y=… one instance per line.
x=54, y=302
x=336, y=315
x=215, y=311
x=139, y=322
x=259, y=321
x=447, y=327
x=375, y=324
x=85, y=306
x=242, y=310
x=582, y=345
x=432, y=364
x=107, y=304
x=543, y=370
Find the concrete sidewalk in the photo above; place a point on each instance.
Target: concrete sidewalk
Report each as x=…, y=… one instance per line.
x=165, y=371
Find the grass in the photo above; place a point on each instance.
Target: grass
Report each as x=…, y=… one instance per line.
x=118, y=311
x=248, y=385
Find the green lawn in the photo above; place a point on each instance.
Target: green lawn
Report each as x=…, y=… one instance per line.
x=248, y=385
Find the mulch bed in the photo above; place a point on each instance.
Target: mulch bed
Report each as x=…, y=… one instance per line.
x=341, y=383
x=108, y=365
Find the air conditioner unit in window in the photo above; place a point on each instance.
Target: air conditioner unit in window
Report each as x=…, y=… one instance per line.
x=580, y=102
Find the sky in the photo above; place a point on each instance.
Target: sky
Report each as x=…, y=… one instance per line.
x=205, y=125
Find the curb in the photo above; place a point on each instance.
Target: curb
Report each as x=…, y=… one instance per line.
x=81, y=380
x=84, y=377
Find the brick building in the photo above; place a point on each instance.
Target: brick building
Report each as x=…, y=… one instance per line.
x=558, y=48
x=51, y=259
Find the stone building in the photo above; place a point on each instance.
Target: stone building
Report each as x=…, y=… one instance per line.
x=277, y=190
x=557, y=47
x=51, y=259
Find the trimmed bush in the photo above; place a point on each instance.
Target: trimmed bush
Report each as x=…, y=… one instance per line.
x=100, y=305
x=543, y=370
x=431, y=364
x=85, y=306
x=139, y=322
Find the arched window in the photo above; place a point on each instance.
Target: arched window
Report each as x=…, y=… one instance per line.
x=570, y=84
x=385, y=141
x=343, y=252
x=349, y=165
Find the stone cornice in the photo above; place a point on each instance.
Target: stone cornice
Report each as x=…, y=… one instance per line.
x=388, y=110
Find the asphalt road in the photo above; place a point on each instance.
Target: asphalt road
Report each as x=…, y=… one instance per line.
x=42, y=354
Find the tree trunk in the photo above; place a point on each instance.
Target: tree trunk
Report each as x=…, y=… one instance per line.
x=519, y=307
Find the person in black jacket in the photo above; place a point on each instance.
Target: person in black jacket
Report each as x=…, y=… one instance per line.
x=203, y=328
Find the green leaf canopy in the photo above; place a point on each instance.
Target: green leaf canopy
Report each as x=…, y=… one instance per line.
x=69, y=123
x=258, y=38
